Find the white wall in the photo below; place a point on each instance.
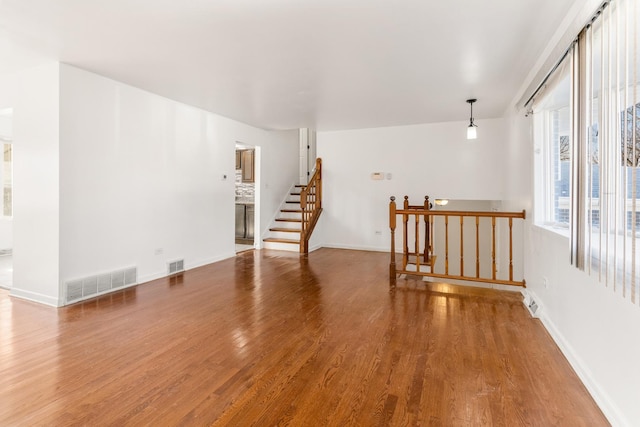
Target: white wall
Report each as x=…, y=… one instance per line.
x=33, y=95
x=6, y=123
x=593, y=325
x=431, y=159
x=279, y=157
x=142, y=178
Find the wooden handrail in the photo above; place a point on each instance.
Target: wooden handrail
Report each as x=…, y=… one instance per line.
x=311, y=206
x=422, y=257
x=481, y=214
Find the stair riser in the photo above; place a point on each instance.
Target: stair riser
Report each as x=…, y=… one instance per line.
x=289, y=221
x=290, y=215
x=284, y=235
x=280, y=221
x=281, y=246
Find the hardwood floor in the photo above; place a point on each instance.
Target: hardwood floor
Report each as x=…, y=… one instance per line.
x=269, y=338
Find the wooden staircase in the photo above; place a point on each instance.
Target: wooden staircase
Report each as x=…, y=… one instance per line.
x=298, y=216
x=286, y=235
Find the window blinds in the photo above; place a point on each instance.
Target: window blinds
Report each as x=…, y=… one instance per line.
x=606, y=129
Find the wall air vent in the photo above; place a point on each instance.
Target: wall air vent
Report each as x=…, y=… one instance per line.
x=175, y=267
x=91, y=286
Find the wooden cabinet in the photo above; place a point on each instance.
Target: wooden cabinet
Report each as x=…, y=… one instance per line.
x=245, y=162
x=248, y=166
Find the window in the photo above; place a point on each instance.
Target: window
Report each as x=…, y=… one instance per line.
x=608, y=226
x=587, y=129
x=553, y=162
x=630, y=149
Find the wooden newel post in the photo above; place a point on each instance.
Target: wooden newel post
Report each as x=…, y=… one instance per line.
x=319, y=184
x=392, y=226
x=427, y=232
x=303, y=224
x=405, y=233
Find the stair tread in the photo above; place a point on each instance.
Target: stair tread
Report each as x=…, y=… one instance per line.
x=295, y=193
x=289, y=219
x=300, y=186
x=285, y=230
x=276, y=240
x=297, y=202
x=291, y=210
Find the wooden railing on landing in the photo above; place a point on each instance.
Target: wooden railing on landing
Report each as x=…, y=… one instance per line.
x=420, y=255
x=311, y=206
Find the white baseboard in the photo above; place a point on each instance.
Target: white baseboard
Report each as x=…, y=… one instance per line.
x=356, y=248
x=315, y=247
x=187, y=266
x=35, y=297
x=608, y=407
x=207, y=261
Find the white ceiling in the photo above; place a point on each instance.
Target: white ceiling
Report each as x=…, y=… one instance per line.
x=283, y=64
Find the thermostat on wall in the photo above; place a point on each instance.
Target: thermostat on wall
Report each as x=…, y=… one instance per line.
x=377, y=176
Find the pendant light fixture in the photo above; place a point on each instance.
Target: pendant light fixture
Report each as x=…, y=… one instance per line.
x=472, y=130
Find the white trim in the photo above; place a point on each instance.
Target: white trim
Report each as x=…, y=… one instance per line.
x=141, y=280
x=207, y=261
x=357, y=248
x=187, y=266
x=315, y=247
x=609, y=408
x=36, y=297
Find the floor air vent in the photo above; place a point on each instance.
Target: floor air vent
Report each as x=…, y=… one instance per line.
x=91, y=286
x=175, y=266
x=532, y=305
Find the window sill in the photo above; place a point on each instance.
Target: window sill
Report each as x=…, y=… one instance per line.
x=555, y=229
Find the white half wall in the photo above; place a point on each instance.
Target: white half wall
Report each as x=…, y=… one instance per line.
x=142, y=178
x=430, y=159
x=33, y=94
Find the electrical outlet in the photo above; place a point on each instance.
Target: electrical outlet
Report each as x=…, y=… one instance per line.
x=545, y=282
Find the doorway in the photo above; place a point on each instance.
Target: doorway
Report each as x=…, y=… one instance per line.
x=6, y=206
x=246, y=197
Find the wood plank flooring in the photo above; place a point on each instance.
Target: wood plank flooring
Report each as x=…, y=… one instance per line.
x=269, y=338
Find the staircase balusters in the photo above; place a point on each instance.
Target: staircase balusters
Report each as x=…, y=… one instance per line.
x=425, y=260
x=311, y=206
